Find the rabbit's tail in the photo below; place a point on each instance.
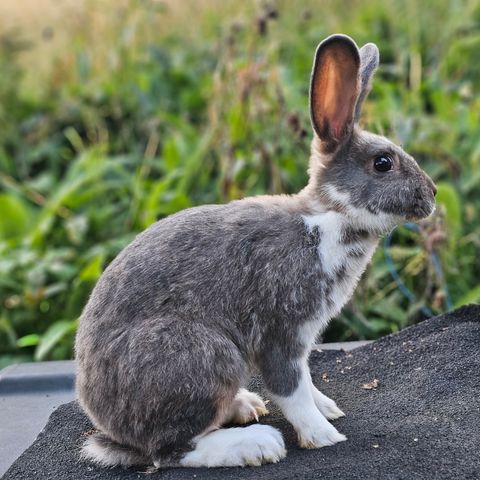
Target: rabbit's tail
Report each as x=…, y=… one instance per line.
x=102, y=450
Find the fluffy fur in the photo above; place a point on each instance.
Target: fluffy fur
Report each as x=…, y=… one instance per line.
x=180, y=319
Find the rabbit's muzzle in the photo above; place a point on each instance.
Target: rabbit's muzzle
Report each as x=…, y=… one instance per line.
x=423, y=200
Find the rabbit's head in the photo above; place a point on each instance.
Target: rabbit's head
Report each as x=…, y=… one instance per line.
x=365, y=176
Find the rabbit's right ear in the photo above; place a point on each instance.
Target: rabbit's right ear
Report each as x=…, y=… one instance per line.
x=334, y=89
x=369, y=59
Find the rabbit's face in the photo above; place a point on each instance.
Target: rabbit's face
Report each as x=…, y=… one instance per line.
x=366, y=176
x=371, y=174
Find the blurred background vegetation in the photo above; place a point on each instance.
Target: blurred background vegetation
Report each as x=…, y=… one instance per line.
x=114, y=113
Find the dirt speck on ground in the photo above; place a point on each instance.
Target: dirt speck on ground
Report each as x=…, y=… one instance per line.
x=371, y=385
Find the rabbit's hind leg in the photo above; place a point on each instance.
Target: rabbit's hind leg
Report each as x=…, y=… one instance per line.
x=236, y=447
x=205, y=376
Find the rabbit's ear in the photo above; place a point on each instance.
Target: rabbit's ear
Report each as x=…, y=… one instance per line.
x=334, y=89
x=369, y=58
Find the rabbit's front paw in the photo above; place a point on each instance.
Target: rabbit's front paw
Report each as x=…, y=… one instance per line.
x=326, y=405
x=318, y=433
x=246, y=407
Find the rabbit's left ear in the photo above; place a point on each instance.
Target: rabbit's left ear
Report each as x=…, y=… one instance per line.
x=334, y=89
x=369, y=59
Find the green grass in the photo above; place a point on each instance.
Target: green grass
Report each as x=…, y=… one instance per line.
x=160, y=107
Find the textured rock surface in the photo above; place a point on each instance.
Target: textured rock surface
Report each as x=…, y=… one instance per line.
x=421, y=421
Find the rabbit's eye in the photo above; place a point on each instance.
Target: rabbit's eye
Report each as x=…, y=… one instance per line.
x=383, y=163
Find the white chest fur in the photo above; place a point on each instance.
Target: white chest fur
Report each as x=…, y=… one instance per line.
x=343, y=259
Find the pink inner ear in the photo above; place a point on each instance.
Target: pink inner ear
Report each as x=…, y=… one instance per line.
x=335, y=90
x=340, y=117
x=336, y=128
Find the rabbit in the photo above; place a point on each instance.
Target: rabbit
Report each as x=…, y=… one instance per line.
x=184, y=315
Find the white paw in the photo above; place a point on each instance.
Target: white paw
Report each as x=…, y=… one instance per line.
x=237, y=447
x=318, y=433
x=330, y=410
x=326, y=405
x=246, y=407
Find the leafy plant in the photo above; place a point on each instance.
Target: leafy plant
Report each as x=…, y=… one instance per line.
x=140, y=109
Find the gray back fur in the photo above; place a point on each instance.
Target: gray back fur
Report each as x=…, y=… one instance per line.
x=192, y=304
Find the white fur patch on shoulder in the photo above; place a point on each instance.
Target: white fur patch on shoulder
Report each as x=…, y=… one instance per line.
x=330, y=250
x=237, y=447
x=335, y=256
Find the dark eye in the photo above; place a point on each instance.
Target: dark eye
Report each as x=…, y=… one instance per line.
x=383, y=163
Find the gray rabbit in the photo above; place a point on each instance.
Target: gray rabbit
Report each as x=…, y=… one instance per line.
x=182, y=317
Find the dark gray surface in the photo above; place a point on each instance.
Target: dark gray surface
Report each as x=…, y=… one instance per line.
x=422, y=421
x=29, y=393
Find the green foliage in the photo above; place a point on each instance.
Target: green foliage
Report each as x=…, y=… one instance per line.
x=15, y=218
x=448, y=197
x=143, y=121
